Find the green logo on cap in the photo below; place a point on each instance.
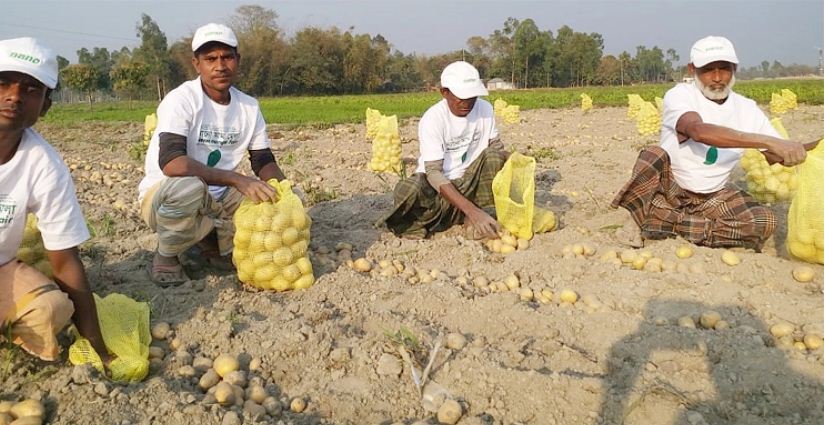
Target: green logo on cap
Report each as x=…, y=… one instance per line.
x=25, y=57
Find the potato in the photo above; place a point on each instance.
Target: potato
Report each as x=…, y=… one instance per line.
x=160, y=330
x=646, y=255
x=256, y=393
x=709, y=319
x=812, y=342
x=449, y=413
x=639, y=263
x=27, y=408
x=208, y=380
x=730, y=258
x=224, y=394
x=721, y=325
x=225, y=364
x=526, y=294
x=507, y=249
x=628, y=256
x=480, y=282
x=588, y=249
x=510, y=240
x=782, y=329
x=512, y=282
x=523, y=244
x=28, y=420
x=547, y=293
x=578, y=249
x=568, y=296
x=494, y=245
x=684, y=251
x=456, y=341
x=236, y=377
x=608, y=256
x=803, y=274
x=686, y=322
x=362, y=265
x=297, y=405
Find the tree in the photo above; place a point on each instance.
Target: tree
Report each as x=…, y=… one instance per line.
x=129, y=77
x=503, y=47
x=80, y=77
x=152, y=52
x=61, y=63
x=609, y=71
x=528, y=45
x=101, y=60
x=264, y=53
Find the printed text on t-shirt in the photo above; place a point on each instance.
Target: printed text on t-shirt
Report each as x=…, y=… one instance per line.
x=215, y=136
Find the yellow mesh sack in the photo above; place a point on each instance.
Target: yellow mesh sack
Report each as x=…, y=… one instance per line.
x=544, y=220
x=766, y=182
x=124, y=324
x=386, y=148
x=31, y=250
x=498, y=106
x=149, y=125
x=790, y=99
x=512, y=114
x=514, y=191
x=648, y=119
x=272, y=240
x=587, y=102
x=805, y=214
x=373, y=117
x=634, y=103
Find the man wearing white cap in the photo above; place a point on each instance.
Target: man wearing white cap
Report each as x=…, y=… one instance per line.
x=679, y=187
x=205, y=128
x=460, y=154
x=34, y=179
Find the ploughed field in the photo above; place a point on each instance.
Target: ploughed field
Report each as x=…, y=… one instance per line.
x=623, y=353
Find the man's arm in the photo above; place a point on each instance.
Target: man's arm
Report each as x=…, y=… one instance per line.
x=264, y=165
x=690, y=125
x=174, y=162
x=478, y=218
x=70, y=276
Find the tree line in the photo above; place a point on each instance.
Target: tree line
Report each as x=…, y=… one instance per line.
x=334, y=61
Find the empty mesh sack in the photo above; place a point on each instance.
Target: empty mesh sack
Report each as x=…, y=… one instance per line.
x=124, y=324
x=386, y=147
x=805, y=214
x=31, y=250
x=514, y=191
x=272, y=240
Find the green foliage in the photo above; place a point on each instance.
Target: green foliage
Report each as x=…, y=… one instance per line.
x=328, y=110
x=404, y=337
x=80, y=77
x=129, y=77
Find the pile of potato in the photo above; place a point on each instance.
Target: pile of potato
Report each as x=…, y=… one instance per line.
x=271, y=242
x=587, y=102
x=26, y=412
x=149, y=125
x=386, y=146
x=783, y=102
x=32, y=251
x=507, y=243
x=648, y=119
x=786, y=335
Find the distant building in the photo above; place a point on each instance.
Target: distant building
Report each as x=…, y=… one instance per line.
x=687, y=79
x=499, y=84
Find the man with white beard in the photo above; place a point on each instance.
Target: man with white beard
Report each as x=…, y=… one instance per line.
x=679, y=187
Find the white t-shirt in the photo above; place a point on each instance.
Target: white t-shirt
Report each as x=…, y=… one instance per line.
x=688, y=158
x=214, y=132
x=457, y=140
x=36, y=180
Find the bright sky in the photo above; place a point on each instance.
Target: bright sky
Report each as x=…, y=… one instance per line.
x=790, y=31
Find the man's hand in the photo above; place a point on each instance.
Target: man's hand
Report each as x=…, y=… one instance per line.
x=254, y=189
x=791, y=153
x=482, y=223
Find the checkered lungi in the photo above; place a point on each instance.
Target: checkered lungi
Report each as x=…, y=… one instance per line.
x=418, y=209
x=726, y=218
x=182, y=212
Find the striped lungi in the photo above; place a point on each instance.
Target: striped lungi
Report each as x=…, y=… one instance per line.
x=661, y=208
x=420, y=211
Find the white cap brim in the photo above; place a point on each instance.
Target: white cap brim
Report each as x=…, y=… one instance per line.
x=33, y=72
x=468, y=92
x=710, y=59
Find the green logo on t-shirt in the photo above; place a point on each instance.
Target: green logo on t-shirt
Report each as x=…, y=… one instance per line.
x=213, y=158
x=711, y=156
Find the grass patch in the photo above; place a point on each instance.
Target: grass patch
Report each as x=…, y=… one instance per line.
x=325, y=111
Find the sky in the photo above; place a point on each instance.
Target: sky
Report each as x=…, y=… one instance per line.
x=790, y=31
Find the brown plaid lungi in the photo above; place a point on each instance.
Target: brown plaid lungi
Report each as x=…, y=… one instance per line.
x=418, y=209
x=661, y=208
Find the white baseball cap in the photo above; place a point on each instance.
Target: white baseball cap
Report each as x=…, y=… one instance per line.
x=712, y=49
x=214, y=32
x=463, y=81
x=26, y=55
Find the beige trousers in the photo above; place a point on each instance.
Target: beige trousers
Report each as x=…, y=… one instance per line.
x=182, y=212
x=33, y=310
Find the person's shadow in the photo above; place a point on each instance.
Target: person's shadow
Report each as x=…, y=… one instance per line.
x=663, y=368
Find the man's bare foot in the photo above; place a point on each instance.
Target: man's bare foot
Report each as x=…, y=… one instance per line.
x=166, y=271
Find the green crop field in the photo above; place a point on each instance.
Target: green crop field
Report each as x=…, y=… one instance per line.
x=328, y=110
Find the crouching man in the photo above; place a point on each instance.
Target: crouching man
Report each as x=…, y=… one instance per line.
x=460, y=155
